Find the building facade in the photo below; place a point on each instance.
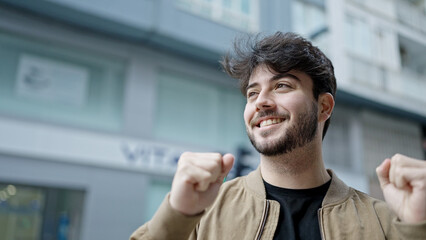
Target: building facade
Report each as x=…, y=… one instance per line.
x=99, y=98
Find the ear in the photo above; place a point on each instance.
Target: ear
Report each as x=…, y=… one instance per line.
x=325, y=106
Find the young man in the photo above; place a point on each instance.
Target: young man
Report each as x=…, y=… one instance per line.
x=290, y=88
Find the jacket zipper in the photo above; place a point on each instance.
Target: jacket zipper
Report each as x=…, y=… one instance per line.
x=320, y=224
x=264, y=217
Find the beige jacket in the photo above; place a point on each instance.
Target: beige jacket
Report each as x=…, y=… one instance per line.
x=241, y=211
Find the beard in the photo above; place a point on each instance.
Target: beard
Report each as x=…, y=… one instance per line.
x=299, y=134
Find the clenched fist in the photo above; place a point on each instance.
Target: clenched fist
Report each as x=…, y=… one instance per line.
x=197, y=181
x=403, y=182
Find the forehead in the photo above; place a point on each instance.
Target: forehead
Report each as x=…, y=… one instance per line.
x=262, y=74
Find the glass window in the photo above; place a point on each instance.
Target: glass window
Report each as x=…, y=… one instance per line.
x=358, y=36
x=337, y=145
x=193, y=111
x=30, y=212
x=157, y=190
x=245, y=6
x=386, y=48
x=307, y=18
x=50, y=82
x=241, y=14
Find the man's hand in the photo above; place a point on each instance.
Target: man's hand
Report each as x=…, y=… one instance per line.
x=197, y=181
x=403, y=182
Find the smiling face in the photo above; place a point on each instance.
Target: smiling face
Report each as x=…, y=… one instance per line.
x=281, y=113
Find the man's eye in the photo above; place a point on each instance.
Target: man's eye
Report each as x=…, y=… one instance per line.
x=281, y=85
x=251, y=94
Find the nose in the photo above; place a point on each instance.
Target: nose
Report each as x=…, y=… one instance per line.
x=264, y=101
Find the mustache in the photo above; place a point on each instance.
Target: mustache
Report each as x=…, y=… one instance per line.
x=268, y=113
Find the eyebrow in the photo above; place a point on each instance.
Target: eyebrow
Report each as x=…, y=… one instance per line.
x=275, y=78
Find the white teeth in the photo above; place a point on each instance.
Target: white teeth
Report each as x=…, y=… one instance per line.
x=270, y=122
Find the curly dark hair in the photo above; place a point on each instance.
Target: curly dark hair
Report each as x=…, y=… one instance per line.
x=281, y=52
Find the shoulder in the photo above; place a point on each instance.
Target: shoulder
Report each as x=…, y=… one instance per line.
x=339, y=193
x=234, y=185
x=344, y=199
x=379, y=206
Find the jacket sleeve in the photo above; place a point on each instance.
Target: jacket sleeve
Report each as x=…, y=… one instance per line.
x=411, y=231
x=395, y=228
x=168, y=223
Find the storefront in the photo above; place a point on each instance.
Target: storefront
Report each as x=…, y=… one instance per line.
x=91, y=128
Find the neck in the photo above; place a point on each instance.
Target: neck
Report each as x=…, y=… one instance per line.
x=300, y=169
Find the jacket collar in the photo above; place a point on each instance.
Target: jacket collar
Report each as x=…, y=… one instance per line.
x=337, y=192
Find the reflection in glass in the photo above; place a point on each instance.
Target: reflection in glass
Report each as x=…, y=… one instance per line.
x=33, y=212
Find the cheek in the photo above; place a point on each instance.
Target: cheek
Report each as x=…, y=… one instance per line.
x=292, y=103
x=296, y=102
x=248, y=113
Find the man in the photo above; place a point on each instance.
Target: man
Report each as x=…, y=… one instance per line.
x=290, y=87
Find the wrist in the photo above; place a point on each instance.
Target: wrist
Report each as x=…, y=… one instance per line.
x=186, y=211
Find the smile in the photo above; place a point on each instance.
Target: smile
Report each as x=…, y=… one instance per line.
x=269, y=122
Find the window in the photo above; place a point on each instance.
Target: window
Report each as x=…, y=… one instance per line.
x=30, y=212
x=342, y=141
x=337, y=150
x=157, y=189
x=386, y=47
x=193, y=111
x=384, y=7
x=358, y=36
x=240, y=14
x=56, y=83
x=308, y=18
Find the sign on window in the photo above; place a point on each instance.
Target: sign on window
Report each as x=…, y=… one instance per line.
x=48, y=80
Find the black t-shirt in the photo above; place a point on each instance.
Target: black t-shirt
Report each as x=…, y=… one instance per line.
x=298, y=212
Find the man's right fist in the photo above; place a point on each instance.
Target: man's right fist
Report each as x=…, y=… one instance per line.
x=197, y=181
